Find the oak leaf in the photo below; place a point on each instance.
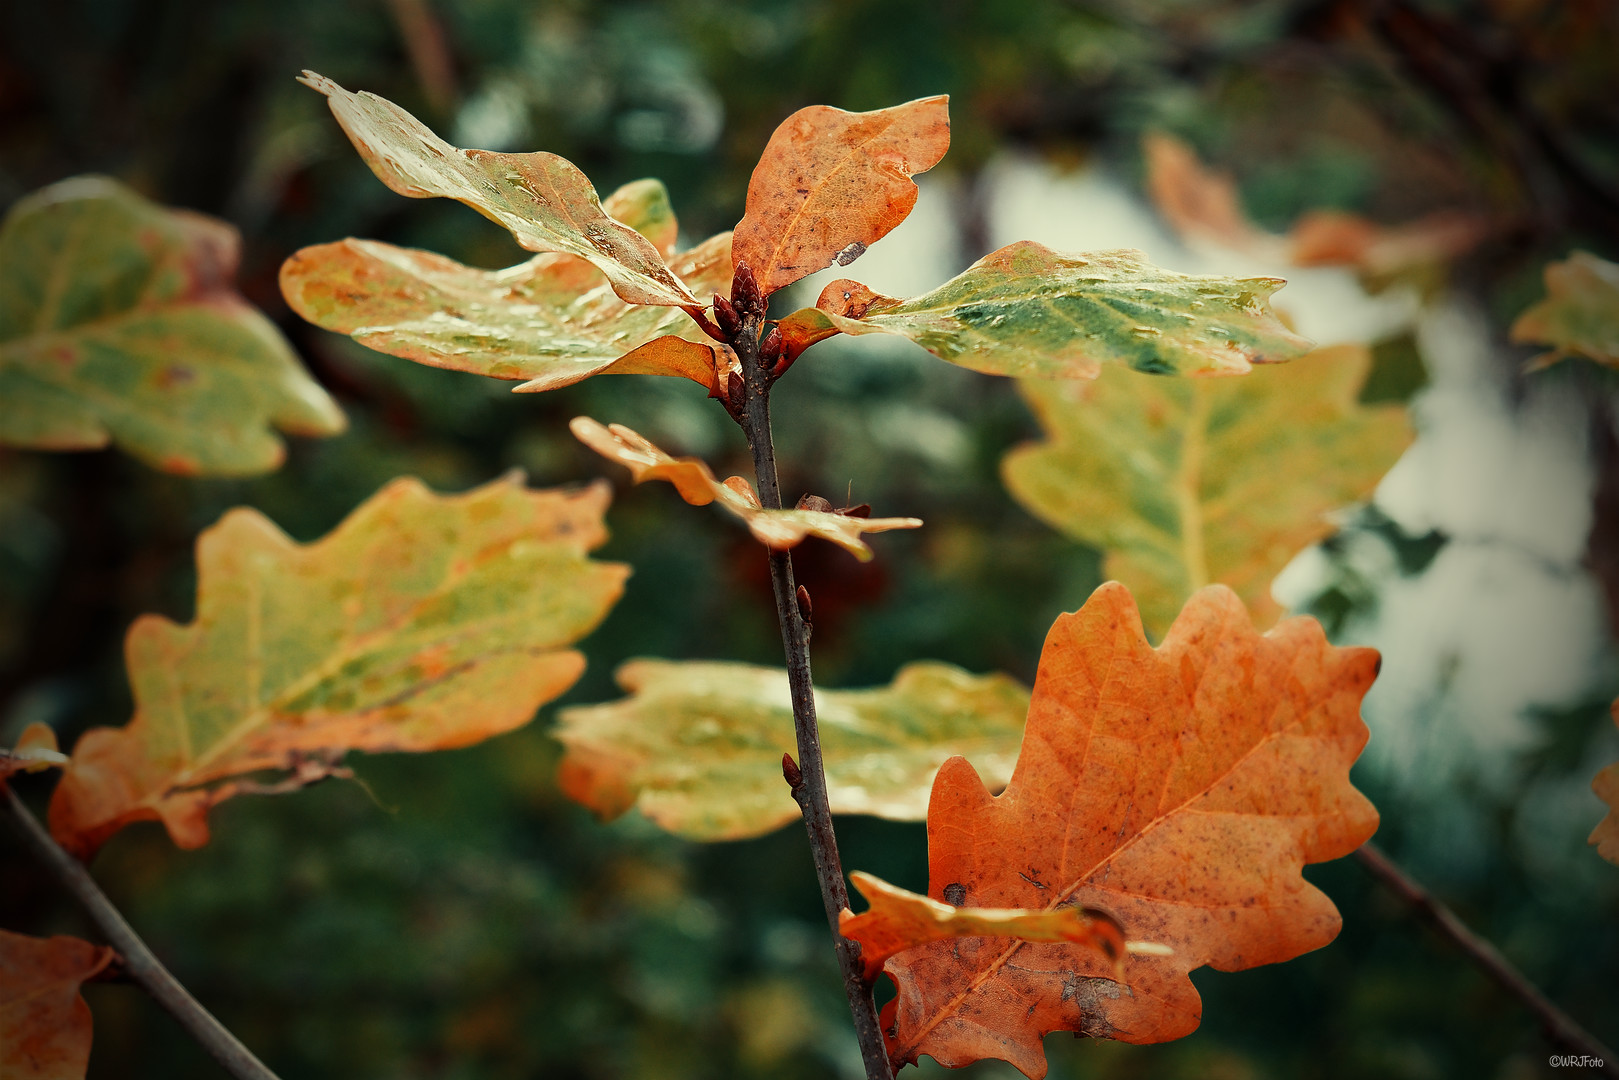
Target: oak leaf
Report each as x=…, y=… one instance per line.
x=832, y=183
x=697, y=745
x=35, y=751
x=45, y=1026
x=1606, y=785
x=1187, y=482
x=778, y=530
x=120, y=322
x=1180, y=789
x=898, y=919
x=1200, y=203
x=1029, y=311
x=422, y=622
x=1580, y=315
x=551, y=321
x=543, y=200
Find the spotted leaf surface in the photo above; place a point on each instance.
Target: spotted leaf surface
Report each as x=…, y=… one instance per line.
x=1029, y=311
x=1180, y=789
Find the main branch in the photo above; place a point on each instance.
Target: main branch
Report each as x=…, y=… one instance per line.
x=143, y=968
x=809, y=780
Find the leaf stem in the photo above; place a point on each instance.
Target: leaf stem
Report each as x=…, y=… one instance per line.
x=139, y=964
x=1560, y=1028
x=810, y=790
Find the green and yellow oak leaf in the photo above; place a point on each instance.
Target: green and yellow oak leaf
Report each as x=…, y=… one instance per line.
x=1184, y=482
x=120, y=322
x=1026, y=310
x=697, y=745
x=422, y=622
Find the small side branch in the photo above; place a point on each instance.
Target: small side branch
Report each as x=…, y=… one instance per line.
x=1560, y=1027
x=139, y=965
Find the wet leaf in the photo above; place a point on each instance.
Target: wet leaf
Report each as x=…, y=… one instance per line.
x=1606, y=785
x=697, y=746
x=543, y=200
x=898, y=919
x=1029, y=311
x=35, y=752
x=551, y=321
x=1180, y=789
x=120, y=322
x=832, y=183
x=1580, y=315
x=45, y=1025
x=422, y=622
x=1186, y=482
x=778, y=530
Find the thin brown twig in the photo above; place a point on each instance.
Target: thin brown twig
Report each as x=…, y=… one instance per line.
x=139, y=964
x=1560, y=1028
x=809, y=790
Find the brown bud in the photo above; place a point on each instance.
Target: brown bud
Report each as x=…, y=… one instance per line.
x=772, y=347
x=814, y=502
x=791, y=772
x=745, y=295
x=726, y=316
x=805, y=608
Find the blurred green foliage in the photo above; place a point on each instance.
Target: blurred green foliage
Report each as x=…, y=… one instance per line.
x=455, y=918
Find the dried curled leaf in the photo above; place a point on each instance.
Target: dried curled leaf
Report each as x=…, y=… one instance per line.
x=1606, y=785
x=45, y=1025
x=899, y=919
x=1029, y=311
x=832, y=183
x=1580, y=315
x=1181, y=789
x=1186, y=482
x=551, y=321
x=697, y=746
x=120, y=322
x=35, y=751
x=543, y=200
x=778, y=530
x=422, y=622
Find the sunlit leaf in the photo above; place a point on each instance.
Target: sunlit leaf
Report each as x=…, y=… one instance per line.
x=1186, y=482
x=898, y=919
x=1606, y=785
x=120, y=322
x=1180, y=789
x=1580, y=315
x=1029, y=311
x=551, y=321
x=422, y=622
x=832, y=183
x=697, y=746
x=35, y=751
x=776, y=529
x=45, y=1025
x=543, y=200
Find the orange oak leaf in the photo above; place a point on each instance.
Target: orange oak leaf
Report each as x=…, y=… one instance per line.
x=45, y=1025
x=692, y=478
x=35, y=751
x=1180, y=789
x=422, y=622
x=899, y=919
x=1606, y=785
x=804, y=328
x=832, y=183
x=543, y=200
